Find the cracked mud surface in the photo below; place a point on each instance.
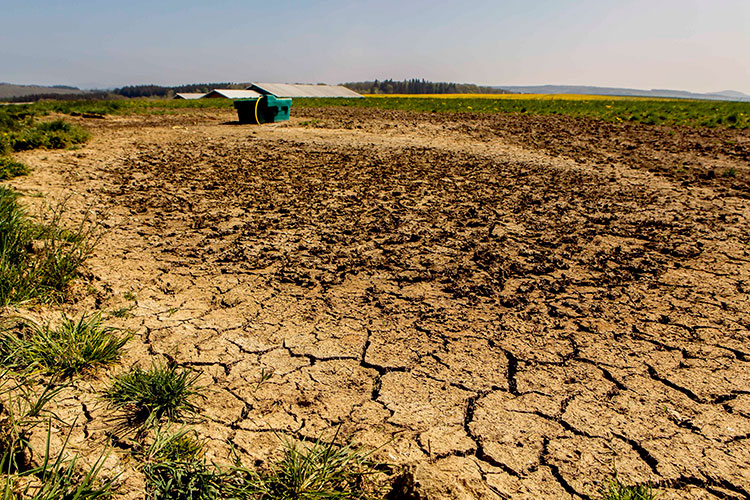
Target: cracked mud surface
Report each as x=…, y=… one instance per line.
x=511, y=306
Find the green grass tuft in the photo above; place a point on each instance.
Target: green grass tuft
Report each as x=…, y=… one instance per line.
x=175, y=468
x=163, y=391
x=21, y=132
x=10, y=169
x=67, y=349
x=121, y=312
x=321, y=470
x=38, y=261
x=57, y=479
x=27, y=473
x=616, y=490
x=184, y=481
x=23, y=401
x=182, y=445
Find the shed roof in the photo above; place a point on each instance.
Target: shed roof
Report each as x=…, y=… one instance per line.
x=188, y=95
x=231, y=94
x=302, y=90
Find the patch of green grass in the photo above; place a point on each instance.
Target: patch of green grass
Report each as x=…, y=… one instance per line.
x=317, y=471
x=38, y=261
x=57, y=478
x=56, y=134
x=21, y=131
x=321, y=470
x=69, y=348
x=60, y=482
x=24, y=397
x=10, y=168
x=175, y=468
x=616, y=490
x=730, y=172
x=184, y=481
x=163, y=391
x=182, y=445
x=264, y=377
x=310, y=123
x=130, y=296
x=121, y=312
x=22, y=408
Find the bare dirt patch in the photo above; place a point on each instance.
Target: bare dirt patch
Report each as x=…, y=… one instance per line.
x=513, y=306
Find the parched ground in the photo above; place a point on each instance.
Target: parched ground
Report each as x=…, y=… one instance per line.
x=511, y=306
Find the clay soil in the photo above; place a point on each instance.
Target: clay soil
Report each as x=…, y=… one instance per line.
x=509, y=306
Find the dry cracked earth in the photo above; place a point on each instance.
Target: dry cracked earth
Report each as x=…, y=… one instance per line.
x=508, y=306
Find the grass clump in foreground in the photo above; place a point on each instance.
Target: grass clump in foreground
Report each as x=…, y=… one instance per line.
x=32, y=474
x=58, y=480
x=163, y=391
x=170, y=480
x=22, y=409
x=319, y=471
x=49, y=476
x=67, y=349
x=182, y=445
x=39, y=261
x=616, y=490
x=27, y=473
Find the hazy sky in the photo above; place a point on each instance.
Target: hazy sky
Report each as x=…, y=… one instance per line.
x=697, y=45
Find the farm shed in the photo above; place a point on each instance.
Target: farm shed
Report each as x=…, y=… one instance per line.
x=231, y=94
x=188, y=95
x=302, y=90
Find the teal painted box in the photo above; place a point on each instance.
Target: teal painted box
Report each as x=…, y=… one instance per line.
x=264, y=109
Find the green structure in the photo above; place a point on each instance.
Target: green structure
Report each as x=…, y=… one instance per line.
x=263, y=109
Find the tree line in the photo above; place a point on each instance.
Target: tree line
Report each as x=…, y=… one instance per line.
x=413, y=86
x=130, y=91
x=161, y=91
x=417, y=86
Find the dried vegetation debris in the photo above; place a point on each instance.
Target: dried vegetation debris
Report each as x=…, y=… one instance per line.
x=512, y=323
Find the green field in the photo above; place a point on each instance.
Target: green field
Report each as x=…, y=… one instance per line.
x=648, y=111
x=684, y=112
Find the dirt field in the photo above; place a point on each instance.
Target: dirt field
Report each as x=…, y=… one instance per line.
x=513, y=307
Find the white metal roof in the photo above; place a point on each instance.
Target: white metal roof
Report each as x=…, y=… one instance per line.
x=231, y=94
x=303, y=90
x=188, y=95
